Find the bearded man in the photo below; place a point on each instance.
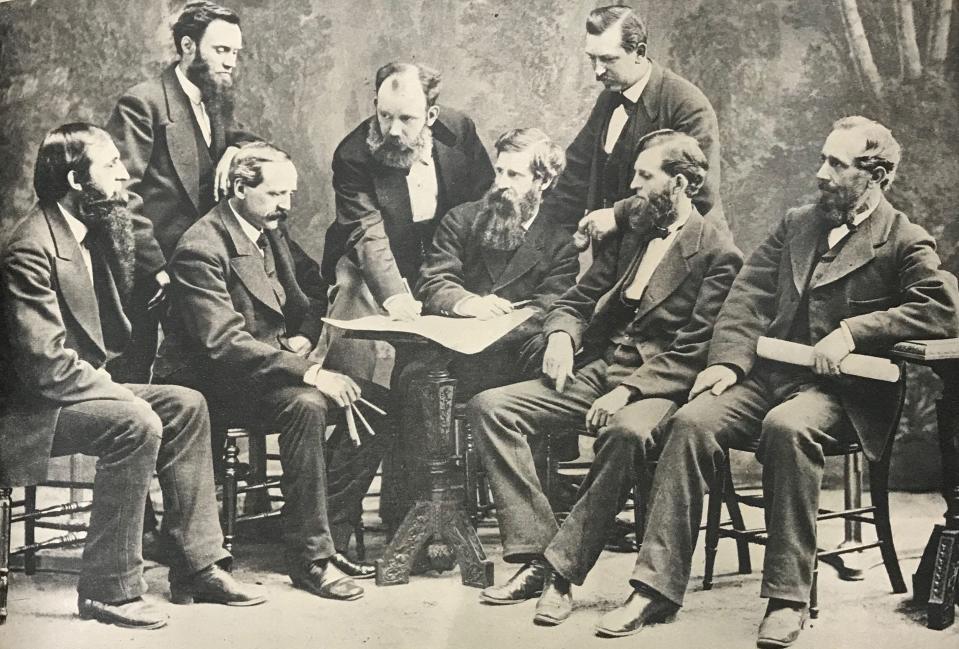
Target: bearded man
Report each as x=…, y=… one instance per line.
x=393, y=176
x=486, y=256
x=847, y=273
x=64, y=273
x=642, y=315
x=176, y=136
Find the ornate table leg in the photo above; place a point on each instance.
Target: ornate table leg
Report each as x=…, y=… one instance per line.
x=441, y=520
x=934, y=583
x=5, y=506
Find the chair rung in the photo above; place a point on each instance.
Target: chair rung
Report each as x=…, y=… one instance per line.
x=64, y=541
x=246, y=518
x=66, y=484
x=825, y=554
x=55, y=510
x=825, y=515
x=63, y=527
x=270, y=484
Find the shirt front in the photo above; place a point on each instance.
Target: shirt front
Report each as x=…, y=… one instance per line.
x=656, y=251
x=196, y=104
x=251, y=231
x=617, y=121
x=423, y=189
x=79, y=231
x=840, y=232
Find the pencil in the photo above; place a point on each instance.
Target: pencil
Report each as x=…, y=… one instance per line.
x=363, y=421
x=519, y=304
x=372, y=407
x=351, y=425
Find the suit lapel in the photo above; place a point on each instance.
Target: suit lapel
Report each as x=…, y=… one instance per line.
x=181, y=136
x=74, y=277
x=674, y=267
x=802, y=251
x=450, y=164
x=247, y=262
x=858, y=249
x=525, y=257
x=393, y=193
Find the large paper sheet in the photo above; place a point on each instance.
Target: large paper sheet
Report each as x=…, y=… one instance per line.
x=869, y=367
x=463, y=335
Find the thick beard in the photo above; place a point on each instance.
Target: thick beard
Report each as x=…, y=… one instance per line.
x=504, y=214
x=218, y=95
x=658, y=211
x=396, y=152
x=111, y=225
x=838, y=206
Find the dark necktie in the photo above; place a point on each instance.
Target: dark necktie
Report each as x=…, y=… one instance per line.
x=626, y=103
x=269, y=265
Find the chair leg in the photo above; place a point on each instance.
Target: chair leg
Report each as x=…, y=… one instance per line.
x=713, y=511
x=814, y=592
x=5, y=506
x=230, y=461
x=29, y=530
x=470, y=471
x=736, y=517
x=879, y=491
x=359, y=533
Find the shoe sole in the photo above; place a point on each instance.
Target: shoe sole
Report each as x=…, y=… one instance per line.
x=548, y=620
x=609, y=633
x=146, y=627
x=507, y=602
x=313, y=591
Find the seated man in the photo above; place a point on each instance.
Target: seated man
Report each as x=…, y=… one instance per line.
x=849, y=273
x=246, y=309
x=643, y=314
x=66, y=270
x=486, y=256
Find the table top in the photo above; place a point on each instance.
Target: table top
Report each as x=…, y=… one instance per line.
x=927, y=350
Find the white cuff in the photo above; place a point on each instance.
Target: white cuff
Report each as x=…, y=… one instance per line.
x=310, y=377
x=386, y=302
x=847, y=335
x=456, y=307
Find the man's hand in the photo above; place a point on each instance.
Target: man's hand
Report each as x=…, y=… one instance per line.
x=606, y=406
x=595, y=225
x=221, y=177
x=558, y=359
x=486, y=307
x=339, y=387
x=829, y=352
x=715, y=378
x=403, y=306
x=299, y=344
x=163, y=282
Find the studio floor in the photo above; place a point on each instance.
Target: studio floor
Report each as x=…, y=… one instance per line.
x=435, y=610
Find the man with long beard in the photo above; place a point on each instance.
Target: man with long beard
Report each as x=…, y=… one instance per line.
x=393, y=176
x=847, y=273
x=176, y=136
x=642, y=314
x=64, y=273
x=487, y=255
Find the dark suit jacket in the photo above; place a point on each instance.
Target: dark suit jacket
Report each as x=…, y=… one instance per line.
x=458, y=265
x=153, y=126
x=374, y=221
x=51, y=343
x=885, y=282
x=225, y=319
x=668, y=101
x=675, y=315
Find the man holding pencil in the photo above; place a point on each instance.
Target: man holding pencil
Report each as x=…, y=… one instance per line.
x=848, y=273
x=245, y=311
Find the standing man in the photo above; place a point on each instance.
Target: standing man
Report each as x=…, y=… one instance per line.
x=643, y=314
x=640, y=96
x=394, y=175
x=486, y=256
x=65, y=272
x=246, y=309
x=176, y=136
x=850, y=273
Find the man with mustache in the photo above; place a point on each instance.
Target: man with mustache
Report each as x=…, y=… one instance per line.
x=176, y=135
x=640, y=97
x=246, y=304
x=64, y=273
x=642, y=315
x=849, y=273
x=485, y=256
x=393, y=176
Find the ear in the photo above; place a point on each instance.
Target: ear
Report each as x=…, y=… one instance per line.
x=546, y=183
x=239, y=189
x=680, y=182
x=188, y=46
x=432, y=114
x=72, y=181
x=641, y=50
x=879, y=175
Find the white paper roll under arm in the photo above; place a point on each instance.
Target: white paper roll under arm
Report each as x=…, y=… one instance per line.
x=868, y=367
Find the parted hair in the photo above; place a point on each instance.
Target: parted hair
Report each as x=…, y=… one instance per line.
x=64, y=149
x=682, y=155
x=632, y=28
x=429, y=78
x=247, y=164
x=196, y=17
x=548, y=161
x=880, y=148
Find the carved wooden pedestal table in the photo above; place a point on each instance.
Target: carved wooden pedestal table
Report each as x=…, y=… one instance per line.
x=435, y=530
x=934, y=583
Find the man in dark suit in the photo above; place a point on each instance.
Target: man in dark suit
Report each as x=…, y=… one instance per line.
x=643, y=314
x=65, y=271
x=246, y=309
x=176, y=135
x=849, y=273
x=399, y=170
x=640, y=97
x=487, y=255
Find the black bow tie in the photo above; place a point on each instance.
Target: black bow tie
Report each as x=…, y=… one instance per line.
x=626, y=103
x=262, y=241
x=657, y=232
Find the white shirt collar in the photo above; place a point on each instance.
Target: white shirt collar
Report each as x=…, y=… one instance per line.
x=76, y=226
x=679, y=222
x=529, y=223
x=252, y=232
x=634, y=92
x=866, y=213
x=194, y=94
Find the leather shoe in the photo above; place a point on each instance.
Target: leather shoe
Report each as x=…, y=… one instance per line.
x=556, y=602
x=526, y=584
x=781, y=624
x=639, y=610
x=132, y=614
x=213, y=585
x=354, y=569
x=324, y=579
